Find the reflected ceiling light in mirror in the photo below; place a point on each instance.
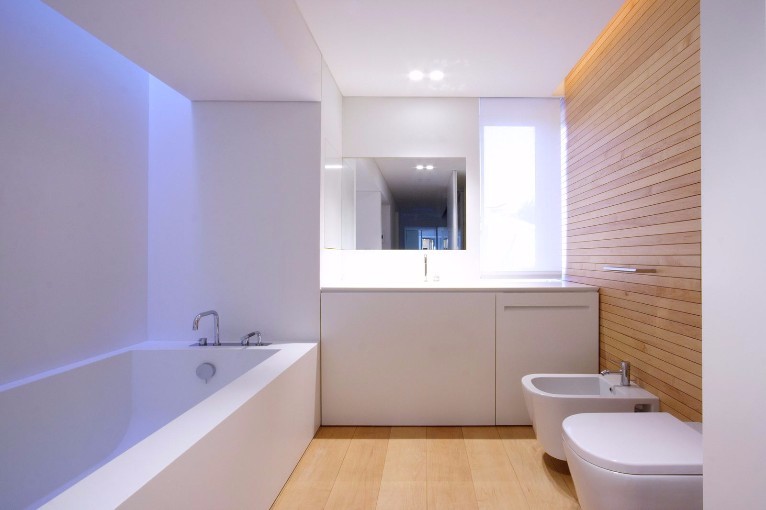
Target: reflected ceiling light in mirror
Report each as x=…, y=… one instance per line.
x=429, y=167
x=419, y=167
x=416, y=75
x=436, y=75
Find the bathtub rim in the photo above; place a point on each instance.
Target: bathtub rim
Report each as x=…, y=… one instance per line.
x=31, y=379
x=139, y=464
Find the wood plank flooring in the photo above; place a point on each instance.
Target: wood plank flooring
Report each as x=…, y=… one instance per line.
x=401, y=468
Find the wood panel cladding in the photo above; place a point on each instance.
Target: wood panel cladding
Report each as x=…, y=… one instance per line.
x=632, y=194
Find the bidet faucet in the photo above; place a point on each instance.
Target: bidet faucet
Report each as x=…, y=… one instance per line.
x=195, y=325
x=624, y=373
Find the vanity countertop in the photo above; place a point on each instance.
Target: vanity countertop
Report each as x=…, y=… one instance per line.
x=494, y=285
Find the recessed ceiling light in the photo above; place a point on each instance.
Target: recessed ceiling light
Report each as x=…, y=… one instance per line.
x=333, y=167
x=419, y=167
x=429, y=167
x=436, y=75
x=416, y=75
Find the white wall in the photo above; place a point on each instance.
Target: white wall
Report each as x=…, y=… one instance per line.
x=233, y=210
x=347, y=206
x=332, y=208
x=332, y=113
x=332, y=179
x=386, y=222
x=73, y=200
x=369, y=228
x=337, y=183
x=733, y=246
x=411, y=127
x=371, y=233
x=369, y=178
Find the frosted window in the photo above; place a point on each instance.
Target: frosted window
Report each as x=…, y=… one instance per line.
x=508, y=184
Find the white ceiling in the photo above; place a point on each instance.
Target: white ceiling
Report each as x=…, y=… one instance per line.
x=235, y=50
x=486, y=48
x=411, y=186
x=264, y=50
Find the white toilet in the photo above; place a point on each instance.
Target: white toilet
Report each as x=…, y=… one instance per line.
x=634, y=461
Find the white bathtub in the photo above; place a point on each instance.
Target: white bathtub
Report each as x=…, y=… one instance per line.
x=138, y=429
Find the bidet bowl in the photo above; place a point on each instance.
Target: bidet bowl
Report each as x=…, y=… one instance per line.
x=552, y=397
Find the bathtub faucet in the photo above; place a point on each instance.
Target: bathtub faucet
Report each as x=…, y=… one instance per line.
x=245, y=340
x=195, y=326
x=624, y=373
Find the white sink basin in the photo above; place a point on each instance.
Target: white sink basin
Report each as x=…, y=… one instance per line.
x=552, y=397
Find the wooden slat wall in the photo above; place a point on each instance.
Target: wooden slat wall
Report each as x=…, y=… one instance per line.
x=632, y=194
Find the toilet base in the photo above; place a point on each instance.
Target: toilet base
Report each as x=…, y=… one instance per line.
x=602, y=489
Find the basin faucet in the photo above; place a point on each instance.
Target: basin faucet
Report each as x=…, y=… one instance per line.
x=624, y=373
x=195, y=325
x=425, y=267
x=245, y=340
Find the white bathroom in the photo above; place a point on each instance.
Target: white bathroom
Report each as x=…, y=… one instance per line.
x=228, y=276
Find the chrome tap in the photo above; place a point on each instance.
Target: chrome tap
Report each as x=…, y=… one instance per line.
x=624, y=373
x=195, y=325
x=425, y=267
x=245, y=340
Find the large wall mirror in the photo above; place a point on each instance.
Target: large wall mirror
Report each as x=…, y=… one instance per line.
x=395, y=203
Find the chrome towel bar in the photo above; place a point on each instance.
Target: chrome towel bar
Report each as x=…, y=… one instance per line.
x=628, y=269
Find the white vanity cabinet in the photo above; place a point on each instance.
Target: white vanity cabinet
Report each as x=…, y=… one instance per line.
x=448, y=356
x=541, y=332
x=408, y=358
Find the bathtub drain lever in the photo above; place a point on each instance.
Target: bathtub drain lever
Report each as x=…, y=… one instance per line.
x=206, y=371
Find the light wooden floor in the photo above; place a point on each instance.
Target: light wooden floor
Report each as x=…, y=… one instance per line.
x=441, y=468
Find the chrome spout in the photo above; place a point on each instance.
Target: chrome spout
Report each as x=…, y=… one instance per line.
x=624, y=373
x=195, y=324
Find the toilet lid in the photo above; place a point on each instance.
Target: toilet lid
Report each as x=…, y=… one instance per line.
x=635, y=443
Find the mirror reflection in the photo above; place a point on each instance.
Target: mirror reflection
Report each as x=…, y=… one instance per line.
x=395, y=203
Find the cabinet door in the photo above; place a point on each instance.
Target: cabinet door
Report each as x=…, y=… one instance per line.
x=408, y=358
x=541, y=332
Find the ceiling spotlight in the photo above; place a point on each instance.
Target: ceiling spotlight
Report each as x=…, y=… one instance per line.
x=436, y=75
x=333, y=167
x=429, y=167
x=416, y=75
x=419, y=167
